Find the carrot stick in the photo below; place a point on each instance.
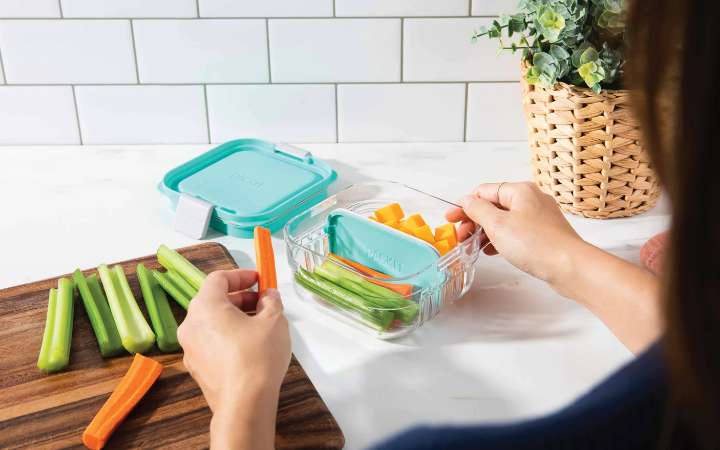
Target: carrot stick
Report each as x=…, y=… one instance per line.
x=137, y=381
x=404, y=289
x=265, y=260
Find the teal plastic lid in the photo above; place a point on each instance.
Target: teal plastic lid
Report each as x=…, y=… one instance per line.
x=251, y=182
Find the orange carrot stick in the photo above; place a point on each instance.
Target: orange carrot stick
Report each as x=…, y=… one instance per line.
x=140, y=376
x=403, y=289
x=265, y=260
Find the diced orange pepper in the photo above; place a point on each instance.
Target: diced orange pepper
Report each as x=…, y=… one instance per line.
x=447, y=232
x=390, y=213
x=443, y=246
x=373, y=218
x=425, y=233
x=405, y=228
x=415, y=221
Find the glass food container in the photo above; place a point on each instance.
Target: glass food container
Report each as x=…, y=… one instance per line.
x=384, y=306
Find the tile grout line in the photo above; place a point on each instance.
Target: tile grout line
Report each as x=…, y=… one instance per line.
x=77, y=115
x=197, y=8
x=250, y=18
x=267, y=43
x=470, y=3
x=260, y=83
x=60, y=9
x=337, y=116
x=135, y=58
x=207, y=114
x=402, y=49
x=334, y=15
x=2, y=70
x=465, y=118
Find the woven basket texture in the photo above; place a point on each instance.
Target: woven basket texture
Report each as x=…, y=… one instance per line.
x=586, y=151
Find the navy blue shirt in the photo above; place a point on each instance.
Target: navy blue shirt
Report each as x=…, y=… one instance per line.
x=626, y=411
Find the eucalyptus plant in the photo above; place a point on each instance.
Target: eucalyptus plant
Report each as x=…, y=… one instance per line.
x=580, y=42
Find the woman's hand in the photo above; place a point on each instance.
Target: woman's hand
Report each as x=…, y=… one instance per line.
x=238, y=361
x=526, y=227
x=523, y=224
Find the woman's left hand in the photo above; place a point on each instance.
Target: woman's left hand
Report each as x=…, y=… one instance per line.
x=239, y=361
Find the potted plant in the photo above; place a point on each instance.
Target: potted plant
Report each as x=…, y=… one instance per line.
x=584, y=139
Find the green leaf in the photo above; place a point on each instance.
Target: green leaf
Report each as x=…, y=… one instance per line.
x=541, y=60
x=550, y=23
x=559, y=53
x=589, y=55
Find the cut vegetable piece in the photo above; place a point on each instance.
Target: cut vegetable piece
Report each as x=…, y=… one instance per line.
x=135, y=333
x=265, y=260
x=377, y=319
x=390, y=213
x=415, y=221
x=375, y=296
x=166, y=283
x=43, y=363
x=55, y=348
x=132, y=387
x=406, y=228
x=425, y=233
x=442, y=246
x=402, y=289
x=98, y=311
x=392, y=224
x=373, y=218
x=447, y=232
x=172, y=260
x=158, y=308
x=183, y=285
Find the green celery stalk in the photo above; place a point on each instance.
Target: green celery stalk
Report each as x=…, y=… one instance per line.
x=57, y=338
x=135, y=333
x=166, y=283
x=404, y=309
x=377, y=319
x=181, y=284
x=172, y=260
x=158, y=308
x=98, y=312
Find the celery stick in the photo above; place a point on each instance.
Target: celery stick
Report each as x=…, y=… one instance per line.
x=172, y=260
x=158, y=308
x=375, y=318
x=181, y=284
x=376, y=296
x=135, y=333
x=42, y=363
x=98, y=312
x=55, y=348
x=166, y=283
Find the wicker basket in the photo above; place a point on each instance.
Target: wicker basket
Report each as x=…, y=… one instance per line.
x=586, y=151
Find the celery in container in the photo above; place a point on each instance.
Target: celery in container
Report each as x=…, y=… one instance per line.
x=57, y=337
x=135, y=333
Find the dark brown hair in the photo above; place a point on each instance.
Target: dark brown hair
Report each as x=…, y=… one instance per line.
x=674, y=72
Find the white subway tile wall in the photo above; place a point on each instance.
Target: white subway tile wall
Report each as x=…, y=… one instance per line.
x=401, y=112
x=327, y=50
x=141, y=114
x=129, y=8
x=198, y=71
x=201, y=51
x=284, y=112
x=38, y=115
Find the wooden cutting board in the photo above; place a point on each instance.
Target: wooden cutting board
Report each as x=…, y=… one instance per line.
x=51, y=411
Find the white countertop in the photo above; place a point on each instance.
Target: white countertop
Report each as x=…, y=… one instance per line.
x=510, y=349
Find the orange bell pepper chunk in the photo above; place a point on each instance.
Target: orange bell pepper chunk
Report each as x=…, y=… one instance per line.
x=134, y=385
x=442, y=246
x=265, y=260
x=447, y=232
x=425, y=233
x=390, y=213
x=415, y=221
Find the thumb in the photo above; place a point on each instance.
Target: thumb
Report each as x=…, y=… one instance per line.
x=269, y=303
x=481, y=211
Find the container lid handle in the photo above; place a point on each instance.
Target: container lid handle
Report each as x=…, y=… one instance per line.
x=192, y=216
x=293, y=151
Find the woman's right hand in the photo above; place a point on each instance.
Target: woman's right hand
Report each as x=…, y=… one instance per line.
x=523, y=224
